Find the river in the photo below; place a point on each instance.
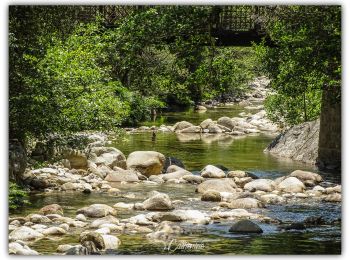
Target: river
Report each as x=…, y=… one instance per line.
x=196, y=151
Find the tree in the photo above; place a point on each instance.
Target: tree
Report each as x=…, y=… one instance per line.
x=305, y=60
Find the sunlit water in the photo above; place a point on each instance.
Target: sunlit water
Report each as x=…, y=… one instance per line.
x=196, y=151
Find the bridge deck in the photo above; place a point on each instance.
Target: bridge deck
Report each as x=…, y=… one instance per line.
x=234, y=25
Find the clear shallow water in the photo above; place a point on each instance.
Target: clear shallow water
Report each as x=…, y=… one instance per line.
x=214, y=237
x=196, y=151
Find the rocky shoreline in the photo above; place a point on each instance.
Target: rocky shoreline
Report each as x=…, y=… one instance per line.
x=233, y=194
x=247, y=123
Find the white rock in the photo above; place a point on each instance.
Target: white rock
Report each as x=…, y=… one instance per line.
x=25, y=234
x=211, y=171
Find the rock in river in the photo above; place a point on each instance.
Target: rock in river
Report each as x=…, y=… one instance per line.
x=146, y=162
x=306, y=176
x=245, y=203
x=119, y=175
x=260, y=184
x=105, y=220
x=54, y=231
x=169, y=161
x=175, y=175
x=291, y=184
x=24, y=233
x=237, y=173
x=211, y=195
x=51, y=209
x=182, y=125
x=191, y=129
x=97, y=211
x=108, y=156
x=210, y=171
x=19, y=249
x=245, y=226
x=159, y=201
x=220, y=185
x=192, y=216
x=193, y=179
x=94, y=240
x=227, y=122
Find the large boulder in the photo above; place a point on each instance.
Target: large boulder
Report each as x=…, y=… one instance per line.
x=97, y=211
x=146, y=162
x=119, y=175
x=245, y=226
x=175, y=175
x=227, y=122
x=299, y=143
x=260, y=184
x=25, y=233
x=51, y=209
x=182, y=125
x=245, y=203
x=108, y=156
x=17, y=160
x=306, y=176
x=291, y=184
x=220, y=185
x=210, y=171
x=159, y=201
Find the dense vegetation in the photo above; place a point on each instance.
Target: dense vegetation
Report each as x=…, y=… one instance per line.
x=17, y=196
x=68, y=75
x=305, y=60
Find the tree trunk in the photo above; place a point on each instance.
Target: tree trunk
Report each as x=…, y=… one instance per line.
x=329, y=150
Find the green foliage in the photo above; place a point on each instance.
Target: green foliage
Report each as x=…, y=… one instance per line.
x=226, y=72
x=17, y=196
x=305, y=60
x=74, y=76
x=73, y=87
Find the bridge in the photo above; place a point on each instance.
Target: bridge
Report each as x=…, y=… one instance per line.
x=231, y=25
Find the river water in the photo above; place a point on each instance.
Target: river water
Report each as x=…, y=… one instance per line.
x=196, y=151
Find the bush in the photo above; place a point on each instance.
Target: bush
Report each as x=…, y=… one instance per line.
x=17, y=196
